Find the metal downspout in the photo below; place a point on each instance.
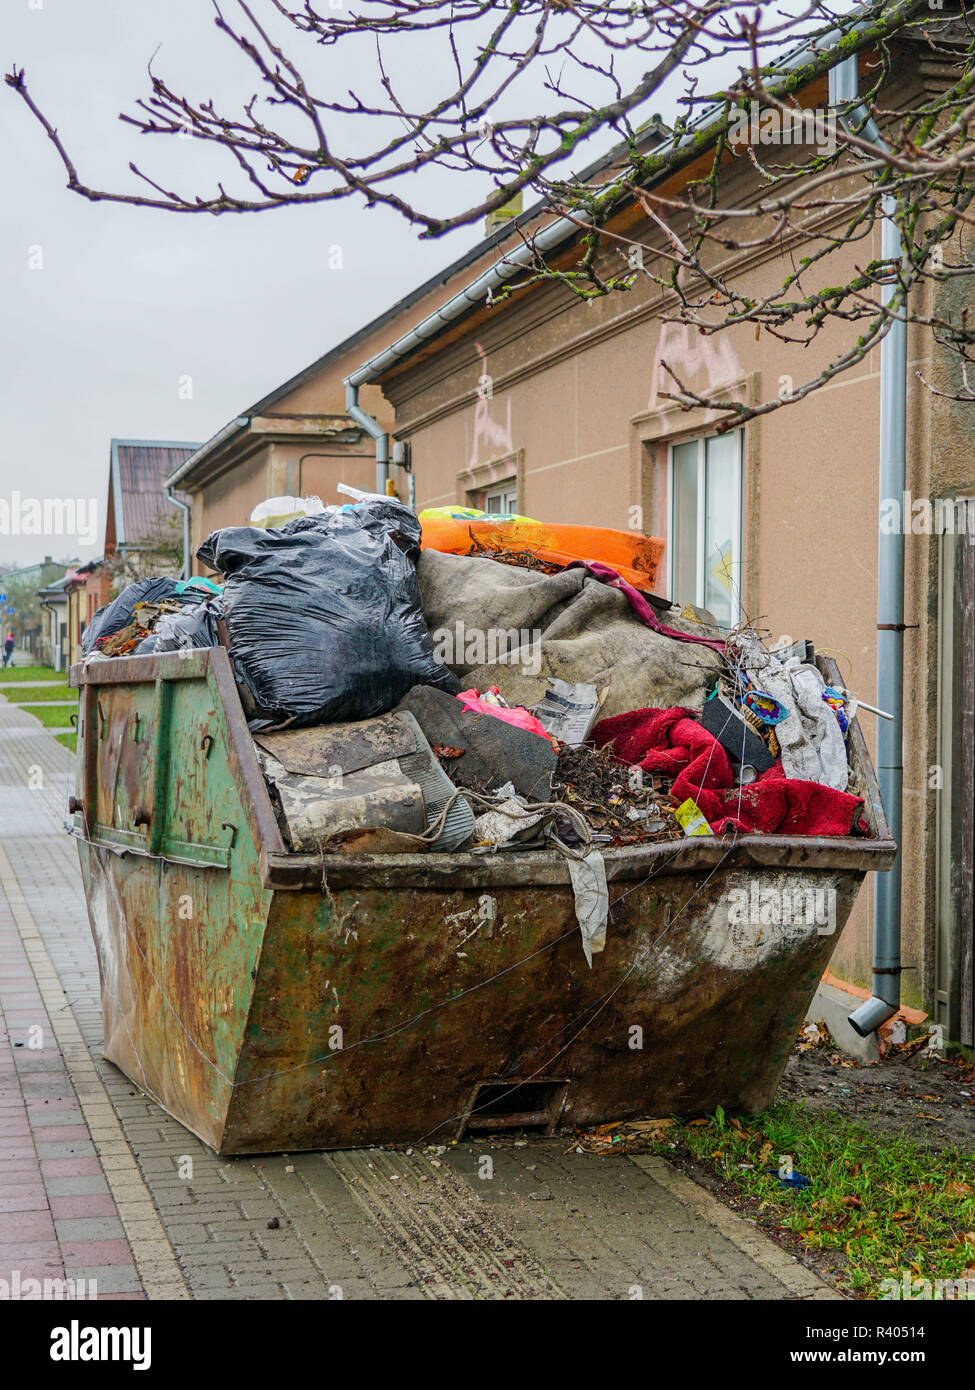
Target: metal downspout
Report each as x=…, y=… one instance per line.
x=844, y=87
x=185, y=507
x=354, y=411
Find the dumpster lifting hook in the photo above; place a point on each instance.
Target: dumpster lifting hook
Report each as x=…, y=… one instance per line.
x=226, y=825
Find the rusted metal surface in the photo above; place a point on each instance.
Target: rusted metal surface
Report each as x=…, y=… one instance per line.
x=432, y=997
x=486, y=1111
x=174, y=894
x=275, y=1001
x=546, y=868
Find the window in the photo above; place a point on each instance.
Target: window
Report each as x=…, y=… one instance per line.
x=704, y=540
x=502, y=500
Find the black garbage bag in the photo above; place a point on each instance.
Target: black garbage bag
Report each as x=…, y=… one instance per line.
x=194, y=627
x=324, y=615
x=113, y=616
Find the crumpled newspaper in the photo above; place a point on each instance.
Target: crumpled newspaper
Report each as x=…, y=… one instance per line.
x=510, y=821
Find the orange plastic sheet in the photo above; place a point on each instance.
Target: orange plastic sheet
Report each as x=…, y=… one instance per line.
x=635, y=558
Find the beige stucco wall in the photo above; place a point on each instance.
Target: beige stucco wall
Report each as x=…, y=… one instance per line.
x=573, y=406
x=229, y=500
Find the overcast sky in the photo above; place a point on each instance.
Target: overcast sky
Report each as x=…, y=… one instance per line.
x=130, y=300
x=107, y=309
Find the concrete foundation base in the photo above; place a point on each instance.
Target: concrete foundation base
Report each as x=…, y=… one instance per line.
x=834, y=1007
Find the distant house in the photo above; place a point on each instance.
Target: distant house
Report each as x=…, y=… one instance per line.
x=143, y=532
x=19, y=590
x=143, y=527
x=86, y=588
x=143, y=536
x=52, y=648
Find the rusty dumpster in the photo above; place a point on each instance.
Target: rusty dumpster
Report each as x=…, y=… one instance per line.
x=278, y=1001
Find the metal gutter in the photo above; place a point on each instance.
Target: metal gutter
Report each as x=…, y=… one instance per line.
x=495, y=276
x=844, y=87
x=241, y=422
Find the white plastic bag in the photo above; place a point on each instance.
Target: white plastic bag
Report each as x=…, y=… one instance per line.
x=275, y=512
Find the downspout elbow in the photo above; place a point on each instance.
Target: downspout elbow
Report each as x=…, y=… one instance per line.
x=372, y=427
x=871, y=1015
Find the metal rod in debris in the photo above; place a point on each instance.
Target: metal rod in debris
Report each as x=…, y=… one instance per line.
x=862, y=704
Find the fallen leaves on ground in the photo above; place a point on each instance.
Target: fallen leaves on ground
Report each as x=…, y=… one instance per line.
x=813, y=1035
x=622, y=1137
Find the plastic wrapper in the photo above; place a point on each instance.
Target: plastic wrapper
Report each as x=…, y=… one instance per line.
x=194, y=627
x=324, y=615
x=278, y=511
x=473, y=700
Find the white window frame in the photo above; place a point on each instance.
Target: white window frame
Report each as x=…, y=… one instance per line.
x=736, y=532
x=503, y=490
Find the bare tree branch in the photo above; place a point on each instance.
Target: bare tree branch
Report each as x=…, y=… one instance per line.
x=511, y=93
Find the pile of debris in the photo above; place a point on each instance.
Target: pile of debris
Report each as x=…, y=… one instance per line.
x=622, y=809
x=152, y=615
x=522, y=559
x=410, y=700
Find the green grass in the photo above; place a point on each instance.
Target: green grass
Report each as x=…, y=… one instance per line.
x=40, y=692
x=62, y=699
x=30, y=673
x=888, y=1203
x=54, y=716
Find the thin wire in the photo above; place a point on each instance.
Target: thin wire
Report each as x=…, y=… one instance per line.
x=431, y=832
x=602, y=1002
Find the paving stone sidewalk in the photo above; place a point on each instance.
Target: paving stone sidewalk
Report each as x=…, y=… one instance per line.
x=98, y=1183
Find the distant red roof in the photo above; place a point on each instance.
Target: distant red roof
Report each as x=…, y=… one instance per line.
x=137, y=501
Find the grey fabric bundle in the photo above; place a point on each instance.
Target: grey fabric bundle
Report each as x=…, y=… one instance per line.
x=567, y=626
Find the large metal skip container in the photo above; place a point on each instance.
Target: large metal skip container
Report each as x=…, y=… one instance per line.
x=279, y=1001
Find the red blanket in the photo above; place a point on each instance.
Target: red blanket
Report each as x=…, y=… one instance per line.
x=672, y=742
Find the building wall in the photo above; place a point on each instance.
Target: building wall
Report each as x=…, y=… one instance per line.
x=229, y=499
x=275, y=469
x=576, y=411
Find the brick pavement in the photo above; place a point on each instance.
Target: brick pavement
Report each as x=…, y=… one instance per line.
x=97, y=1182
